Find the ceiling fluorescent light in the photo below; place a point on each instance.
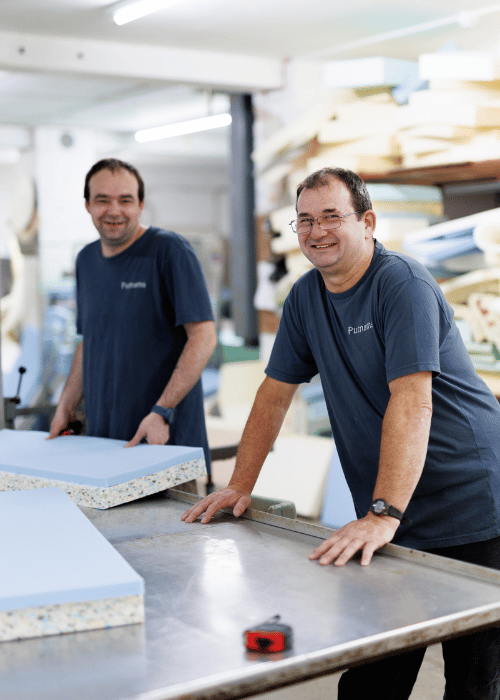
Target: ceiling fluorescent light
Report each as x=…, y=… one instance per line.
x=140, y=8
x=181, y=128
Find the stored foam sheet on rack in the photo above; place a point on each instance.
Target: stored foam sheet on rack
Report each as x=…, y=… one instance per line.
x=63, y=575
x=96, y=472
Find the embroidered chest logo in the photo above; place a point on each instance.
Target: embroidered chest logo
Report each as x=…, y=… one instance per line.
x=359, y=329
x=133, y=285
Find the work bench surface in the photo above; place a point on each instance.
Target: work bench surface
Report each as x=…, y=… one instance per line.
x=205, y=584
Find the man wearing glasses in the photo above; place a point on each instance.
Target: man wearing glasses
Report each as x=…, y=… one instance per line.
x=146, y=321
x=416, y=429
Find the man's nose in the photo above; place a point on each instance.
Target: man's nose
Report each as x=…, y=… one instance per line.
x=316, y=230
x=113, y=207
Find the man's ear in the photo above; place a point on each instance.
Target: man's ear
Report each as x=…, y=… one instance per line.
x=87, y=206
x=370, y=219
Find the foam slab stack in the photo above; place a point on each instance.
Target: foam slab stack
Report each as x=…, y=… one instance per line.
x=94, y=472
x=60, y=574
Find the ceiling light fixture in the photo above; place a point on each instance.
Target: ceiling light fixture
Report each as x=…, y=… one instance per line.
x=464, y=19
x=140, y=8
x=180, y=128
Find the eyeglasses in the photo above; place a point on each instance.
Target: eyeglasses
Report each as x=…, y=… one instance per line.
x=325, y=222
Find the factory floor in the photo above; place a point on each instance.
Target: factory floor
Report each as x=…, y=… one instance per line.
x=430, y=681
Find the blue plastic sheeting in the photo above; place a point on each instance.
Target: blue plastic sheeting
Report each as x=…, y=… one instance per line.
x=52, y=554
x=87, y=460
x=210, y=381
x=437, y=248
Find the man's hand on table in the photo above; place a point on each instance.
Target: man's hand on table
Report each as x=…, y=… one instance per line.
x=226, y=498
x=367, y=534
x=154, y=429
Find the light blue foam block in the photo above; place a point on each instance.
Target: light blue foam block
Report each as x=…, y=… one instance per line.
x=87, y=460
x=52, y=554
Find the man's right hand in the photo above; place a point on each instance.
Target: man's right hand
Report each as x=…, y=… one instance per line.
x=226, y=498
x=60, y=422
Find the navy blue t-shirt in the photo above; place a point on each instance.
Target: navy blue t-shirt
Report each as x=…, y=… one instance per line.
x=396, y=321
x=131, y=311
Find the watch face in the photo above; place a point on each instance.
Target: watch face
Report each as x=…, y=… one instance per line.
x=378, y=506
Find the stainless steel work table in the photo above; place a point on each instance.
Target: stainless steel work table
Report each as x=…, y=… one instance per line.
x=206, y=583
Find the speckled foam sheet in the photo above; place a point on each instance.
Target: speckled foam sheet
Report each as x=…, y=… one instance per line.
x=59, y=573
x=95, y=472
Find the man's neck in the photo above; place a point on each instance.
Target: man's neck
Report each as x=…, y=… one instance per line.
x=110, y=251
x=342, y=283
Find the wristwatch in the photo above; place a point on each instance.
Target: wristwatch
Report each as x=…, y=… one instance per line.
x=168, y=414
x=380, y=507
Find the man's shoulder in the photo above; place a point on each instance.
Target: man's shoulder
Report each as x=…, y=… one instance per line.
x=88, y=251
x=400, y=267
x=167, y=240
x=306, y=285
x=163, y=235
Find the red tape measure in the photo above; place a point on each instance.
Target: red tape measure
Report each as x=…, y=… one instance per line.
x=269, y=637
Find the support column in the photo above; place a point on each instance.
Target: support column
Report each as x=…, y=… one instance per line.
x=243, y=250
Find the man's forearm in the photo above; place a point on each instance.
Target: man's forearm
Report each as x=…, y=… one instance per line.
x=405, y=437
x=263, y=425
x=72, y=393
x=197, y=351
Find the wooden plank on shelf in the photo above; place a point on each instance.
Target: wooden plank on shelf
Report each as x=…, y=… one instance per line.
x=466, y=171
x=472, y=115
x=405, y=208
x=342, y=130
x=373, y=145
x=301, y=129
x=430, y=99
x=415, y=146
x=357, y=163
x=478, y=148
x=486, y=88
x=438, y=131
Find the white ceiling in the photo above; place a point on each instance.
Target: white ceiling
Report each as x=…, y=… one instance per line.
x=277, y=30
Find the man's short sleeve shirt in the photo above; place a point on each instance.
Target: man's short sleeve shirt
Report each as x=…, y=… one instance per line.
x=395, y=321
x=131, y=312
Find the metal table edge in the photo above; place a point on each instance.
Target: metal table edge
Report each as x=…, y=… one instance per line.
x=322, y=532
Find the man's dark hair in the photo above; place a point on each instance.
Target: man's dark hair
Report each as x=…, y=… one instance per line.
x=113, y=165
x=359, y=192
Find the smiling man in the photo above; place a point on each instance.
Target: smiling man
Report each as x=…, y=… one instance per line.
x=113, y=201
x=417, y=431
x=146, y=321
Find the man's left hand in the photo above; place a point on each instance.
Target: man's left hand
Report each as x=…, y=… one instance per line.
x=367, y=534
x=154, y=429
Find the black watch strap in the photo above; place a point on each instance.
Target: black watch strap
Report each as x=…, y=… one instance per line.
x=168, y=414
x=380, y=507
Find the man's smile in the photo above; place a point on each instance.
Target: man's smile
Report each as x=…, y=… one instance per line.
x=113, y=223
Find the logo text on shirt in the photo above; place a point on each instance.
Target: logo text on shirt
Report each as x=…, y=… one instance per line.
x=360, y=329
x=133, y=285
